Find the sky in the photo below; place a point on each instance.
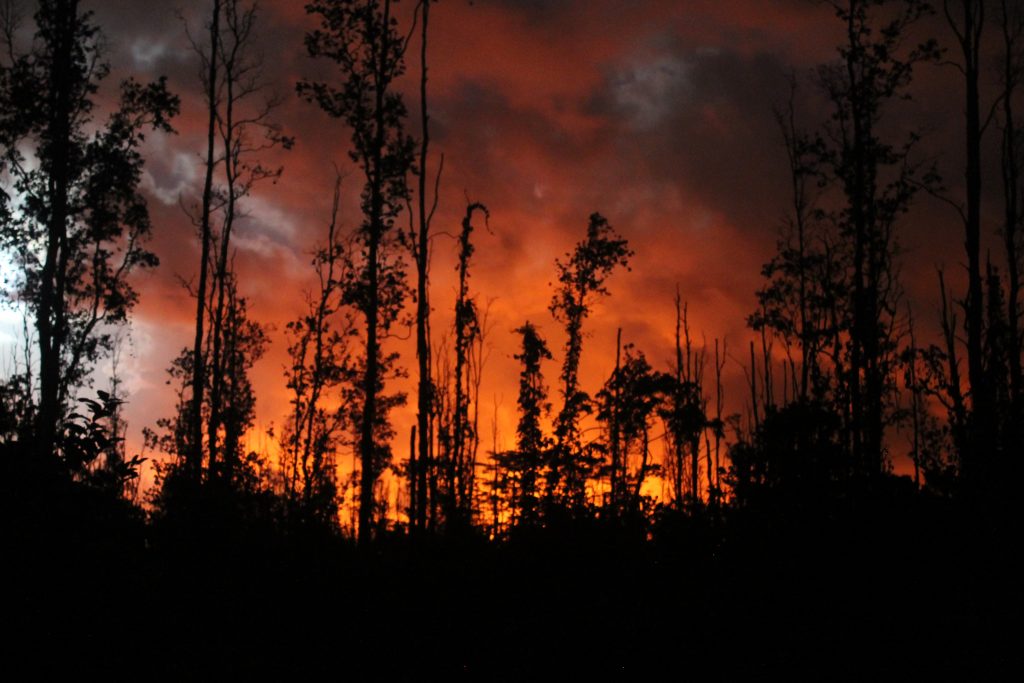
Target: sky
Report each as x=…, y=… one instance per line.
x=656, y=113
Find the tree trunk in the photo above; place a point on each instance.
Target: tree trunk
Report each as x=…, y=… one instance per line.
x=367, y=440
x=51, y=314
x=424, y=390
x=195, y=455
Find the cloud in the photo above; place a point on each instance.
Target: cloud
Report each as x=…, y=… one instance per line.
x=657, y=113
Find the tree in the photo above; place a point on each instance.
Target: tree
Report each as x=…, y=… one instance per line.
x=193, y=446
x=320, y=363
x=361, y=37
x=581, y=278
x=245, y=130
x=231, y=76
x=420, y=244
x=983, y=426
x=532, y=446
x=801, y=291
x=684, y=410
x=73, y=217
x=245, y=343
x=877, y=180
x=627, y=405
x=460, y=466
x=1012, y=157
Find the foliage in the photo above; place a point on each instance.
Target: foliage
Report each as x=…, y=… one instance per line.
x=581, y=279
x=362, y=39
x=73, y=217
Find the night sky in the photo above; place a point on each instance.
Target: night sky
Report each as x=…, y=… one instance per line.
x=658, y=114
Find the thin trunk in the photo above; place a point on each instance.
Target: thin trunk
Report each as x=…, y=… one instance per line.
x=642, y=474
x=615, y=445
x=859, y=197
x=1011, y=189
x=678, y=437
x=412, y=478
x=766, y=353
x=221, y=273
x=968, y=36
x=693, y=378
x=957, y=406
x=198, y=361
x=424, y=389
x=367, y=440
x=719, y=404
x=753, y=387
x=915, y=401
x=980, y=399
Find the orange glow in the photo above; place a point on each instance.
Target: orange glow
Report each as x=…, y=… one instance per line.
x=659, y=116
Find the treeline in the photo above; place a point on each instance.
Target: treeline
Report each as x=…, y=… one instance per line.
x=838, y=364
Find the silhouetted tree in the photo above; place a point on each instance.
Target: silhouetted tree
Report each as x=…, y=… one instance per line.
x=532, y=447
x=420, y=242
x=878, y=180
x=627, y=405
x=459, y=466
x=795, y=303
x=245, y=130
x=1012, y=158
x=684, y=411
x=361, y=37
x=210, y=75
x=581, y=279
x=986, y=328
x=245, y=343
x=71, y=214
x=968, y=32
x=320, y=365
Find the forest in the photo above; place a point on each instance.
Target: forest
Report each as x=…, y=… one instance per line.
x=825, y=487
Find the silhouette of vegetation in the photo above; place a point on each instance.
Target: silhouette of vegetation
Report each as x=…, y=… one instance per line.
x=626, y=526
x=321, y=363
x=362, y=39
x=526, y=463
x=74, y=220
x=581, y=278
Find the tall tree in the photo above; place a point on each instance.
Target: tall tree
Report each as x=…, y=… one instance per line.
x=239, y=128
x=795, y=301
x=467, y=330
x=1012, y=157
x=968, y=30
x=878, y=179
x=361, y=37
x=421, y=254
x=581, y=278
x=72, y=216
x=245, y=129
x=193, y=447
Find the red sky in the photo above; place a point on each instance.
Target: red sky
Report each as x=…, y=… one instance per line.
x=656, y=113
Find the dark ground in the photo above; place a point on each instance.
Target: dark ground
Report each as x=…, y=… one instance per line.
x=897, y=585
